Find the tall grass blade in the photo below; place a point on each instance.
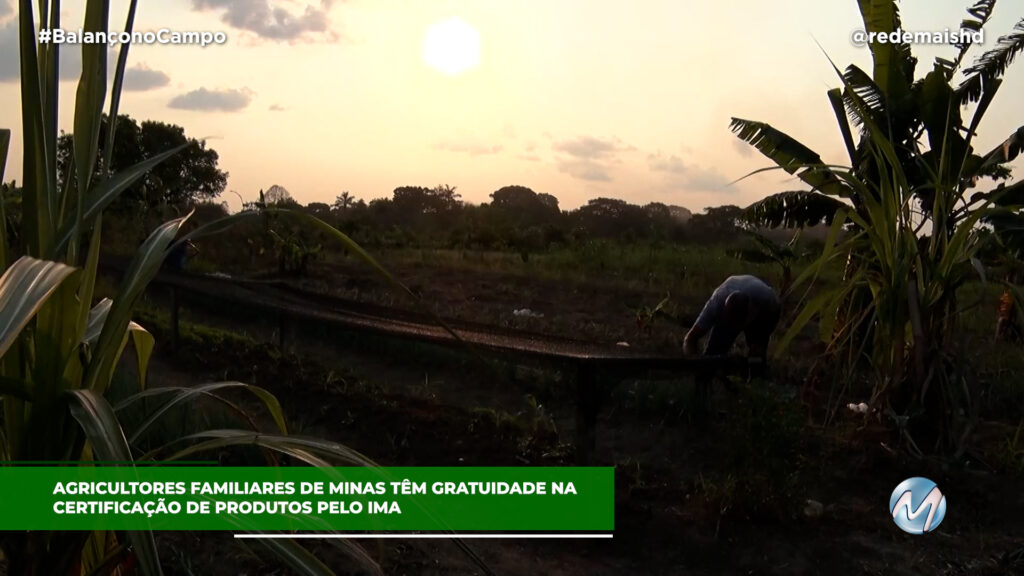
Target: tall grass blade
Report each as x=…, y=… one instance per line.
x=105, y=192
x=92, y=92
x=181, y=395
x=115, y=92
x=102, y=429
x=49, y=66
x=87, y=287
x=140, y=272
x=5, y=143
x=295, y=446
x=38, y=181
x=222, y=224
x=141, y=338
x=24, y=289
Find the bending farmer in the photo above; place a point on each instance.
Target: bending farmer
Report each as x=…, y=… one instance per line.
x=741, y=304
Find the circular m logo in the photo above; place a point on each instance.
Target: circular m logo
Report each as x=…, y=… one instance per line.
x=917, y=505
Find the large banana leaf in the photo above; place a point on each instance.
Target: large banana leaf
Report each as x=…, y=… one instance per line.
x=991, y=65
x=835, y=98
x=863, y=87
x=980, y=13
x=1007, y=151
x=790, y=155
x=890, y=60
x=794, y=209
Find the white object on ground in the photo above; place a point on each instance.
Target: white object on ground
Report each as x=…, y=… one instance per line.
x=861, y=408
x=813, y=509
x=526, y=312
x=624, y=344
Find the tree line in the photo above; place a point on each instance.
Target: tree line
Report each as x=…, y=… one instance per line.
x=516, y=218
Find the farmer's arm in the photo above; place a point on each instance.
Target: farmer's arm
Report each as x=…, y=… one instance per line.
x=702, y=325
x=692, y=340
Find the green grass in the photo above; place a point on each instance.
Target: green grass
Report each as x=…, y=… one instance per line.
x=654, y=266
x=697, y=272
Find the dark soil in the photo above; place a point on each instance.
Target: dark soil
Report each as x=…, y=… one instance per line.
x=725, y=496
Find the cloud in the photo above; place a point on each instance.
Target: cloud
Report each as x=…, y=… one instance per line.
x=273, y=22
x=276, y=108
x=5, y=8
x=673, y=164
x=229, y=100
x=706, y=179
x=587, y=157
x=682, y=175
x=70, y=56
x=140, y=78
x=588, y=147
x=529, y=153
x=585, y=170
x=471, y=148
x=10, y=68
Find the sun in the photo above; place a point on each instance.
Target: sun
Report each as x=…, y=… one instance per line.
x=452, y=47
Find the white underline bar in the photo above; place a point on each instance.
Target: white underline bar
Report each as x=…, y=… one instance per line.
x=430, y=536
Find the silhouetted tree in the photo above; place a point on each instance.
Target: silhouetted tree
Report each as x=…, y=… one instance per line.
x=191, y=174
x=717, y=223
x=612, y=218
x=519, y=206
x=319, y=209
x=343, y=201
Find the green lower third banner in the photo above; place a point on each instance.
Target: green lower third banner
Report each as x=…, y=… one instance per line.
x=307, y=499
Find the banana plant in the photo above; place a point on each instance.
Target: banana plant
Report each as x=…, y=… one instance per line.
x=907, y=109
x=903, y=217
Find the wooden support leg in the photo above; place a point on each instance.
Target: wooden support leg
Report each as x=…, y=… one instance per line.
x=174, y=317
x=586, y=413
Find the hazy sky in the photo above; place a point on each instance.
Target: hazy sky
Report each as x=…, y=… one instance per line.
x=576, y=98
